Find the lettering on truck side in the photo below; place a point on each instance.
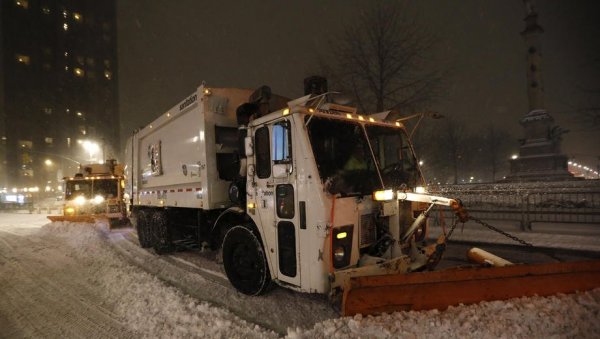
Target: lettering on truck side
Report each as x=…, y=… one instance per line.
x=188, y=102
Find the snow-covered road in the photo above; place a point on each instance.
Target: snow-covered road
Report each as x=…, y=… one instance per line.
x=72, y=280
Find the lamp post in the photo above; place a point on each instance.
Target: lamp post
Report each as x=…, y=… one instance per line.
x=52, y=165
x=90, y=147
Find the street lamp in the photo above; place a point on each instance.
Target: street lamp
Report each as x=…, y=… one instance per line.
x=90, y=147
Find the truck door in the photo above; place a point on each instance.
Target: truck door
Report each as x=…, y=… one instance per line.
x=277, y=202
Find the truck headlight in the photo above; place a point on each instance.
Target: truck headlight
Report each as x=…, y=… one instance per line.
x=69, y=211
x=80, y=200
x=383, y=195
x=420, y=189
x=341, y=245
x=339, y=253
x=98, y=199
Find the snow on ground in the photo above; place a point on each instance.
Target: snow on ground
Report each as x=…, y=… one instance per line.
x=66, y=280
x=573, y=316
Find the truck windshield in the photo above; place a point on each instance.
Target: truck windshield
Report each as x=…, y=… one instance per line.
x=108, y=188
x=75, y=188
x=394, y=156
x=345, y=163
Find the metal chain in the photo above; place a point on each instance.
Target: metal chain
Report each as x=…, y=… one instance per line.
x=452, y=229
x=482, y=223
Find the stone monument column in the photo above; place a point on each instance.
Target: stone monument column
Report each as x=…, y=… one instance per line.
x=540, y=157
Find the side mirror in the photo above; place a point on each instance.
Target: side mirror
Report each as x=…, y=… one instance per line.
x=281, y=170
x=248, y=146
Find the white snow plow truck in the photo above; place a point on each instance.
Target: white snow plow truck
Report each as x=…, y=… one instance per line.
x=305, y=193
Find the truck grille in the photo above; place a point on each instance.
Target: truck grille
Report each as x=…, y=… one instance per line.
x=367, y=230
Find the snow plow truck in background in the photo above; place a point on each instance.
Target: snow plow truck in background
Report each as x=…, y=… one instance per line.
x=306, y=193
x=95, y=192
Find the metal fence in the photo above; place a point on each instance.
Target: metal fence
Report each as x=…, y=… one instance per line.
x=577, y=202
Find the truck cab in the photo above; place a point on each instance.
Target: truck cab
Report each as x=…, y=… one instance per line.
x=312, y=171
x=96, y=191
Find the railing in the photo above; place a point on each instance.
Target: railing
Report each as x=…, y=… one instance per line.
x=567, y=202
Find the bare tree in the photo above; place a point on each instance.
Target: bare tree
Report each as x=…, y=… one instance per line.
x=589, y=115
x=454, y=142
x=444, y=147
x=587, y=111
x=495, y=149
x=380, y=59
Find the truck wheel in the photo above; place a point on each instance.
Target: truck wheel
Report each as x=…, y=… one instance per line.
x=143, y=229
x=244, y=261
x=161, y=234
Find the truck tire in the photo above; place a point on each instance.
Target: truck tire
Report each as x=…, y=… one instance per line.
x=143, y=228
x=162, y=241
x=244, y=260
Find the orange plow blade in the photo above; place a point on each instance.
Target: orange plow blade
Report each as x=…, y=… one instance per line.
x=71, y=218
x=438, y=290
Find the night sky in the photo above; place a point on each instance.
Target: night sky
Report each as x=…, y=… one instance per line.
x=167, y=48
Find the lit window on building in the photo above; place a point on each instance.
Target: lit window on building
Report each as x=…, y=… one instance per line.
x=108, y=75
x=27, y=144
x=68, y=142
x=47, y=110
x=49, y=140
x=66, y=54
x=78, y=72
x=77, y=16
x=46, y=10
x=22, y=3
x=65, y=26
x=23, y=59
x=66, y=68
x=79, y=114
x=65, y=14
